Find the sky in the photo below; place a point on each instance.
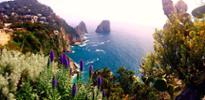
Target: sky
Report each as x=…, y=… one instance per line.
x=132, y=13
x=135, y=12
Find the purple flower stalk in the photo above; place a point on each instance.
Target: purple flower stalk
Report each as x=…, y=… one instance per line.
x=74, y=90
x=100, y=81
x=91, y=70
x=64, y=60
x=81, y=65
x=52, y=55
x=67, y=63
x=54, y=82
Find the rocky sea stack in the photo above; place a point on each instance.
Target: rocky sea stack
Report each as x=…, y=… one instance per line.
x=199, y=12
x=81, y=28
x=104, y=27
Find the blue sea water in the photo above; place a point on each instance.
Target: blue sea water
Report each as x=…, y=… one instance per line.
x=111, y=50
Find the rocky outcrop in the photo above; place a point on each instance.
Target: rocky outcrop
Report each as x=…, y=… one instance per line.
x=104, y=27
x=168, y=7
x=181, y=7
x=199, y=12
x=81, y=29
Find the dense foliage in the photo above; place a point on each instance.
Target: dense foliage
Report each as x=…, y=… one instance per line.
x=33, y=76
x=14, y=67
x=35, y=37
x=178, y=58
x=175, y=70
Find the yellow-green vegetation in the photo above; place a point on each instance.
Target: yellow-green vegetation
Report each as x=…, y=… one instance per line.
x=174, y=70
x=35, y=37
x=178, y=60
x=34, y=76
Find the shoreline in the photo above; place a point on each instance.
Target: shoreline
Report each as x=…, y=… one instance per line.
x=74, y=65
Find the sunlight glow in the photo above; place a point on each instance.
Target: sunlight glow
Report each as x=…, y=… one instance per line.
x=138, y=12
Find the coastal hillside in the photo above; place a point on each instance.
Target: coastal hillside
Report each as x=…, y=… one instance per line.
x=31, y=11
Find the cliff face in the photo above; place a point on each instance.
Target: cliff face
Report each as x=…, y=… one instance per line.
x=31, y=11
x=168, y=7
x=104, y=27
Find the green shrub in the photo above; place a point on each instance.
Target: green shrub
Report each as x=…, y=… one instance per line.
x=15, y=67
x=36, y=37
x=178, y=57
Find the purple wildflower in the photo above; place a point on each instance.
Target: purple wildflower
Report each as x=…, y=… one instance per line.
x=54, y=82
x=52, y=55
x=90, y=70
x=81, y=65
x=74, y=90
x=67, y=63
x=100, y=81
x=64, y=60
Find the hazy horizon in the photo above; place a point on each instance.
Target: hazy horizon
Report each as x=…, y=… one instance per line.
x=148, y=13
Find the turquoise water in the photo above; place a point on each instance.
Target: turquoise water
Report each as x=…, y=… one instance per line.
x=111, y=50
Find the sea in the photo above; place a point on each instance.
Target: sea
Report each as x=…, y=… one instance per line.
x=113, y=50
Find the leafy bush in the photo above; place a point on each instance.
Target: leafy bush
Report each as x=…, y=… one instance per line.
x=30, y=76
x=15, y=67
x=178, y=59
x=36, y=37
x=124, y=84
